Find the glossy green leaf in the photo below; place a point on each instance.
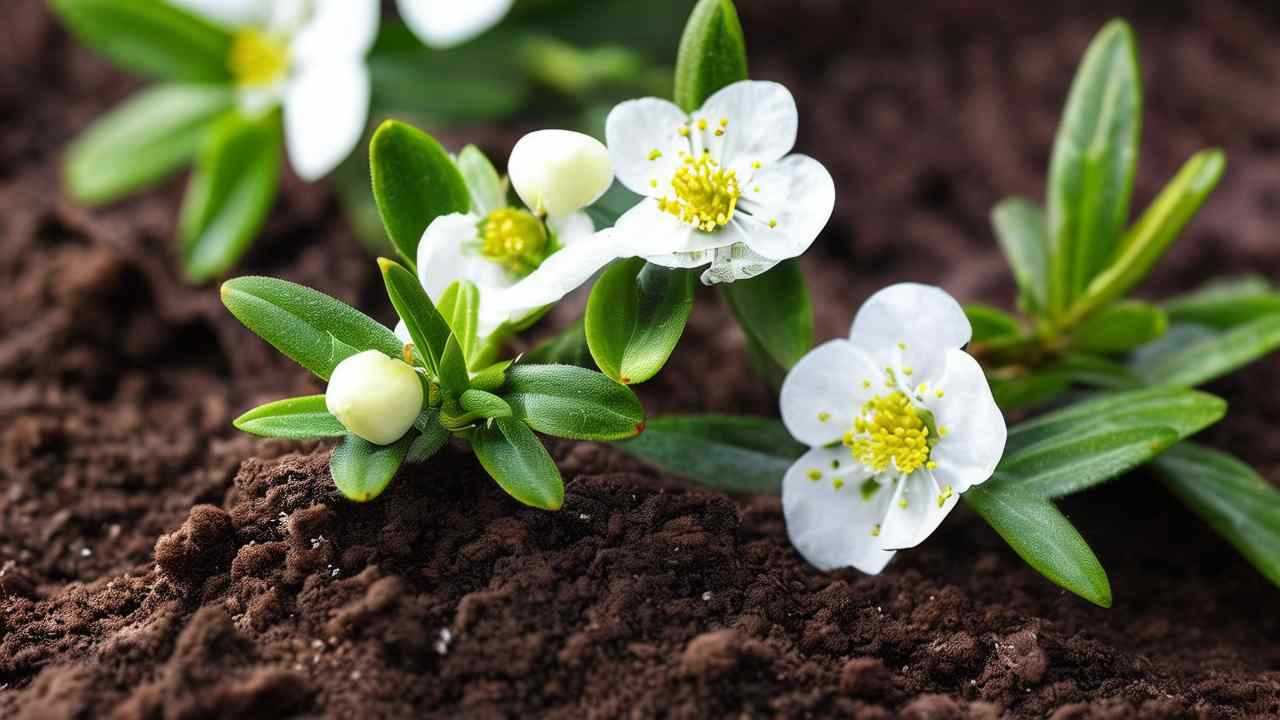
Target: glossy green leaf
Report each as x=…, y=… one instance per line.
x=460, y=307
x=635, y=316
x=297, y=418
x=1210, y=356
x=1154, y=232
x=1091, y=171
x=1233, y=499
x=990, y=323
x=414, y=182
x=147, y=138
x=483, y=404
x=733, y=454
x=712, y=53
x=516, y=459
x=311, y=328
x=454, y=378
x=152, y=37
x=488, y=190
x=775, y=311
x=362, y=470
x=427, y=328
x=1120, y=328
x=433, y=436
x=1225, y=303
x=572, y=402
x=1020, y=228
x=231, y=190
x=1044, y=538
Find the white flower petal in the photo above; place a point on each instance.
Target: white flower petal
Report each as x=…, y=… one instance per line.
x=560, y=274
x=976, y=430
x=733, y=263
x=402, y=332
x=915, y=512
x=645, y=230
x=911, y=326
x=232, y=13
x=762, y=124
x=335, y=30
x=825, y=391
x=325, y=109
x=443, y=257
x=571, y=228
x=559, y=171
x=445, y=23
x=633, y=131
x=833, y=528
x=799, y=203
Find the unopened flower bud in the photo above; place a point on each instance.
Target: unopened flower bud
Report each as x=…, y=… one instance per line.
x=374, y=396
x=559, y=171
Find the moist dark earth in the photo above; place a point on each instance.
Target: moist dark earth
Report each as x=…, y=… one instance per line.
x=156, y=564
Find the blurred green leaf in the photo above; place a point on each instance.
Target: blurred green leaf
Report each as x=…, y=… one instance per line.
x=775, y=311
x=427, y=328
x=516, y=459
x=713, y=53
x=567, y=348
x=635, y=316
x=487, y=188
x=1029, y=390
x=298, y=418
x=572, y=402
x=990, y=323
x=1225, y=303
x=362, y=470
x=733, y=454
x=1210, y=356
x=1020, y=229
x=1120, y=328
x=414, y=182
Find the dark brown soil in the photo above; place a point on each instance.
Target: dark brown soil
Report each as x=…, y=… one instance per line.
x=154, y=563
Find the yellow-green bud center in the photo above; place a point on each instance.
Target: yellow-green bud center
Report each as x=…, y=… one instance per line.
x=705, y=193
x=514, y=239
x=890, y=429
x=257, y=58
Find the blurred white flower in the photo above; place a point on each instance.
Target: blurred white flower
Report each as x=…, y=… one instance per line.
x=374, y=396
x=719, y=186
x=445, y=23
x=900, y=422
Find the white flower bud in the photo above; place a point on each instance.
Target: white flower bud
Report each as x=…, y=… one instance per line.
x=559, y=171
x=374, y=396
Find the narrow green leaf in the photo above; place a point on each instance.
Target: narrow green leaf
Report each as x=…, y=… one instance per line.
x=454, y=378
x=297, y=418
x=1091, y=171
x=635, y=316
x=483, y=404
x=1120, y=328
x=1152, y=234
x=460, y=307
x=231, y=190
x=990, y=323
x=362, y=470
x=1020, y=228
x=1210, y=356
x=311, y=328
x=712, y=53
x=433, y=436
x=1225, y=303
x=734, y=454
x=516, y=459
x=1044, y=538
x=775, y=311
x=572, y=402
x=143, y=141
x=414, y=182
x=152, y=37
x=427, y=328
x=488, y=190
x=1233, y=499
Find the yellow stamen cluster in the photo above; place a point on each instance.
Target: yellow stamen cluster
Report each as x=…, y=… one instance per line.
x=890, y=430
x=257, y=58
x=514, y=239
x=705, y=193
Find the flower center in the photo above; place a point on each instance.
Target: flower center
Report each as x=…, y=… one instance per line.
x=705, y=193
x=514, y=239
x=257, y=58
x=891, y=429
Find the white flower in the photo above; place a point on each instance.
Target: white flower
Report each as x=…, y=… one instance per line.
x=521, y=261
x=445, y=23
x=719, y=185
x=309, y=56
x=374, y=396
x=900, y=421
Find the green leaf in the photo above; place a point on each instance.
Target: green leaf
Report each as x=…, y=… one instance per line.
x=414, y=182
x=712, y=53
x=144, y=140
x=297, y=418
x=635, y=316
x=460, y=307
x=1210, y=356
x=491, y=378
x=311, y=328
x=454, y=378
x=1091, y=171
x=990, y=324
x=1030, y=390
x=572, y=402
x=1225, y=303
x=1233, y=499
x=152, y=37
x=1020, y=228
x=775, y=311
x=1152, y=234
x=1100, y=372
x=1120, y=328
x=426, y=327
x=516, y=459
x=616, y=201
x=362, y=470
x=1044, y=538
x=567, y=348
x=483, y=404
x=231, y=190
x=433, y=436
x=733, y=454
x=488, y=190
